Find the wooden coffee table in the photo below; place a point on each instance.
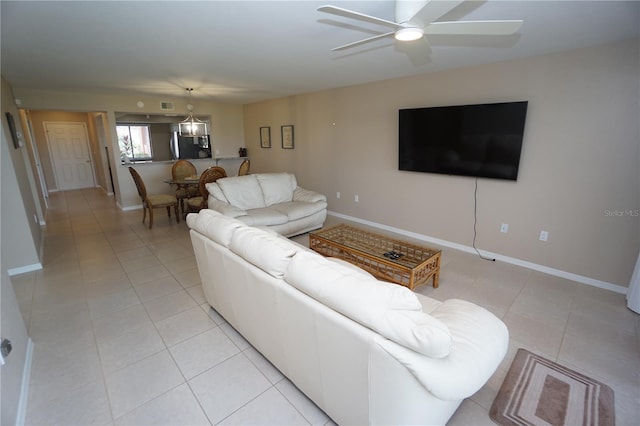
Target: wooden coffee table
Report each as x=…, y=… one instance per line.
x=388, y=259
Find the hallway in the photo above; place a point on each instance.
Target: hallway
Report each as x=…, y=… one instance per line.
x=122, y=333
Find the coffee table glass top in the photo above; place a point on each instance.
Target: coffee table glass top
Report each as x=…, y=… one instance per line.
x=381, y=246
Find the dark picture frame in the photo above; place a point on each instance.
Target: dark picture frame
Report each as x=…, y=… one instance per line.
x=265, y=137
x=286, y=133
x=12, y=129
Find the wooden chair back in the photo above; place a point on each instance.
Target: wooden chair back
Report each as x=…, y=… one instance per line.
x=142, y=190
x=182, y=169
x=244, y=168
x=212, y=174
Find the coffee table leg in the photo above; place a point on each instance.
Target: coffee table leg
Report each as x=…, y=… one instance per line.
x=436, y=279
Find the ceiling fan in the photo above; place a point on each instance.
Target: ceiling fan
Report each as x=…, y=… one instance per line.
x=415, y=19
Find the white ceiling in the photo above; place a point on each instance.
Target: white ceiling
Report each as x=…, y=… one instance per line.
x=246, y=51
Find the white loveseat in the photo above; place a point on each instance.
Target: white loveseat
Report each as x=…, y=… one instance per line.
x=269, y=199
x=365, y=351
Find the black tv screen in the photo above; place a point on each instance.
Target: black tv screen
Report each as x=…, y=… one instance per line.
x=482, y=140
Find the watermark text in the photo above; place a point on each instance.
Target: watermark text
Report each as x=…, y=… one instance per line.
x=622, y=213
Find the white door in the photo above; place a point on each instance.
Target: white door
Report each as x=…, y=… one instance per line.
x=69, y=147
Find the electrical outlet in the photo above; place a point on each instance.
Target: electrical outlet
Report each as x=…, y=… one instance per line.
x=338, y=195
x=504, y=228
x=544, y=235
x=356, y=198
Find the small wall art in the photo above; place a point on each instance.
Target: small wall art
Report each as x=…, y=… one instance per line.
x=265, y=137
x=287, y=136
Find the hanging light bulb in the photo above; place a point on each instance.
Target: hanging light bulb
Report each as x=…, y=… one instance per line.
x=192, y=126
x=409, y=34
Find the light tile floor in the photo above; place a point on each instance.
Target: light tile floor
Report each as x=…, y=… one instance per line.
x=123, y=336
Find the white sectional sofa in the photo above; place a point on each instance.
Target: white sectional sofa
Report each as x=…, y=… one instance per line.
x=365, y=351
x=269, y=199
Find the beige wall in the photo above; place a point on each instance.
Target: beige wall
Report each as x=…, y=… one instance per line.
x=579, y=165
x=100, y=135
x=21, y=232
x=20, y=243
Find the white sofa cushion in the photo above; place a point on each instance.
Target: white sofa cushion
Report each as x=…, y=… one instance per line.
x=225, y=208
x=243, y=192
x=418, y=331
x=214, y=225
x=268, y=252
x=297, y=210
x=301, y=194
x=322, y=277
x=428, y=304
x=349, y=265
x=215, y=191
x=391, y=310
x=267, y=216
x=276, y=187
x=467, y=368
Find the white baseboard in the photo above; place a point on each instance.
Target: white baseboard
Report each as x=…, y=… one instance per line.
x=24, y=269
x=24, y=389
x=105, y=191
x=126, y=209
x=525, y=264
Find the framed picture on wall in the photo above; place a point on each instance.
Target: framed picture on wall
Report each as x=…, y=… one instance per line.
x=287, y=136
x=265, y=137
x=12, y=129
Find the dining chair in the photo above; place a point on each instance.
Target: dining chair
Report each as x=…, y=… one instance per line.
x=156, y=201
x=211, y=174
x=244, y=168
x=181, y=170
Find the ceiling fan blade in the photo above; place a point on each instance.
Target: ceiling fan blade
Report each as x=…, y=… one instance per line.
x=357, y=15
x=473, y=28
x=431, y=11
x=366, y=40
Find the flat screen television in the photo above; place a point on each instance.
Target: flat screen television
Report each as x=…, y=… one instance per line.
x=483, y=140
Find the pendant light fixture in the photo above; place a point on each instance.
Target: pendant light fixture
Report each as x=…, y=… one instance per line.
x=192, y=126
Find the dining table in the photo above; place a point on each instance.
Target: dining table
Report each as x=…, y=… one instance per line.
x=189, y=184
x=184, y=183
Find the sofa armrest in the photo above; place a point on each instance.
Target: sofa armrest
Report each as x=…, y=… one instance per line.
x=300, y=194
x=225, y=208
x=480, y=343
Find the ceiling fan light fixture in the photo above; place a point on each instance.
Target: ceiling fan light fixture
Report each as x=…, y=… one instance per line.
x=409, y=34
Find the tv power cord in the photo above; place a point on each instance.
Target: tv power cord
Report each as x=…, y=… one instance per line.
x=475, y=221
